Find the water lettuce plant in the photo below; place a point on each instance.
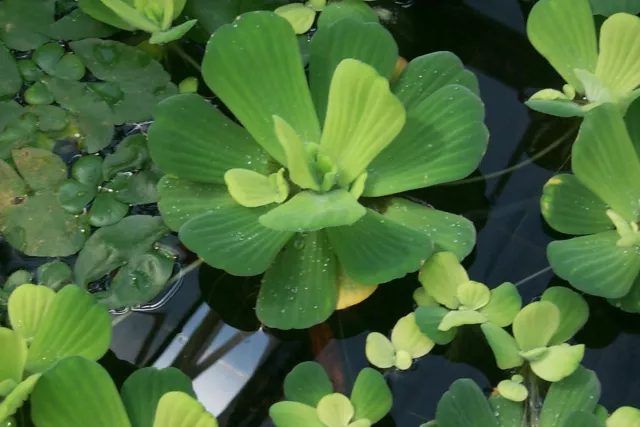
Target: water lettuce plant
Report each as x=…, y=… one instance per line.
x=564, y=32
x=152, y=16
x=312, y=402
x=78, y=392
x=600, y=203
x=47, y=327
x=407, y=343
x=303, y=15
x=448, y=300
x=540, y=332
x=291, y=194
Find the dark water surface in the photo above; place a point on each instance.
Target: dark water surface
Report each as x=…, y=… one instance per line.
x=489, y=37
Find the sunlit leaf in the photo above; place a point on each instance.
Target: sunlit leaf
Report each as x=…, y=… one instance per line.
x=406, y=336
x=559, y=362
x=535, y=325
x=299, y=16
x=178, y=409
x=307, y=383
x=17, y=397
x=252, y=189
x=335, y=410
x=294, y=414
x=441, y=275
x=513, y=391
x=473, y=295
x=27, y=307
x=504, y=304
x=98, y=10
x=379, y=351
x=625, y=416
x=13, y=356
x=619, y=40
x=504, y=346
x=456, y=318
x=351, y=293
x=574, y=312
x=172, y=34
x=371, y=397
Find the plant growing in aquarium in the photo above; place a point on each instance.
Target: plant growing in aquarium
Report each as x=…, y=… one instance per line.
x=600, y=202
x=284, y=198
x=47, y=327
x=540, y=332
x=564, y=32
x=311, y=400
x=407, y=343
x=448, y=300
x=152, y=16
x=78, y=392
x=302, y=15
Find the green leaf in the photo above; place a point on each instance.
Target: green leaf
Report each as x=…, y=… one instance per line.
x=564, y=33
x=449, y=232
x=47, y=56
x=13, y=356
x=106, y=210
x=335, y=410
x=266, y=42
x=77, y=25
x=441, y=275
x=178, y=409
x=99, y=11
x=504, y=346
x=11, y=78
x=130, y=154
x=73, y=325
x=40, y=168
x=456, y=318
x=504, y=305
x=429, y=319
x=77, y=392
x=88, y=170
x=535, y=325
x=570, y=207
x=473, y=295
x=301, y=172
x=601, y=413
x=173, y=34
x=558, y=362
x=299, y=16
x=574, y=312
x=625, y=416
x=17, y=397
x=578, y=392
x=69, y=67
x=140, y=188
x=27, y=307
x=17, y=278
x=422, y=298
x=508, y=413
x=252, y=189
x=595, y=265
x=142, y=391
x=371, y=397
x=38, y=94
x=631, y=301
x=443, y=140
x=609, y=7
x=369, y=43
x=50, y=118
x=556, y=108
x=133, y=16
x=406, y=336
x=619, y=40
x=391, y=247
x=74, y=197
x=54, y=275
x=354, y=10
x=464, y=405
x=379, y=351
x=604, y=159
x=21, y=23
x=12, y=187
x=232, y=239
x=210, y=143
x=310, y=211
x=363, y=117
x=299, y=290
x=294, y=414
x=513, y=391
x=307, y=383
x=582, y=419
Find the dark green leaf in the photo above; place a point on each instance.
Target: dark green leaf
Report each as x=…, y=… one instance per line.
x=38, y=94
x=130, y=154
x=74, y=196
x=356, y=10
x=609, y=7
x=29, y=70
x=69, y=67
x=22, y=23
x=50, y=117
x=508, y=413
x=582, y=419
x=88, y=170
x=578, y=392
x=371, y=397
x=106, y=210
x=54, y=274
x=77, y=25
x=99, y=11
x=464, y=405
x=11, y=80
x=213, y=15
x=140, y=188
x=47, y=56
x=307, y=383
x=428, y=320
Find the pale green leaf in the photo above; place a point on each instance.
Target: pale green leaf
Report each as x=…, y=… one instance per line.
x=464, y=405
x=335, y=410
x=535, y=325
x=456, y=318
x=294, y=414
x=559, y=362
x=574, y=312
x=625, y=416
x=441, y=276
x=13, y=355
x=178, y=409
x=131, y=15
x=371, y=397
x=172, y=34
x=558, y=108
x=406, y=336
x=594, y=89
x=422, y=298
x=301, y=171
x=27, y=307
x=473, y=295
x=307, y=383
x=18, y=396
x=379, y=351
x=252, y=189
x=513, y=391
x=429, y=319
x=299, y=16
x=619, y=41
x=504, y=305
x=504, y=346
x=99, y=11
x=577, y=392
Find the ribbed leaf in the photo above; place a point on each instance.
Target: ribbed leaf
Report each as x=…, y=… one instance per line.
x=11, y=79
x=631, y=301
x=441, y=275
x=443, y=140
x=604, y=159
x=406, y=336
x=619, y=41
x=299, y=290
x=77, y=392
x=193, y=140
x=535, y=325
x=231, y=238
x=254, y=66
x=13, y=356
x=178, y=409
x=582, y=419
x=27, y=307
x=609, y=7
x=503, y=345
x=17, y=397
x=294, y=414
x=564, y=33
x=299, y=16
x=99, y=11
x=253, y=189
x=558, y=108
x=449, y=232
x=377, y=250
x=456, y=318
x=558, y=362
x=299, y=160
x=504, y=305
x=370, y=43
x=464, y=405
x=578, y=392
x=570, y=207
x=632, y=120
x=371, y=397
x=73, y=325
x=307, y=383
x=363, y=117
x=428, y=320
x=595, y=265
x=335, y=410
x=142, y=391
x=508, y=413
x=574, y=312
x=379, y=351
x=352, y=10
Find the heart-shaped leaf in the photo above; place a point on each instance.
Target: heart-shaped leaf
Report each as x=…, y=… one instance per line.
x=379, y=351
x=371, y=397
x=535, y=325
x=294, y=414
x=441, y=275
x=178, y=409
x=574, y=312
x=504, y=304
x=307, y=383
x=27, y=307
x=577, y=392
x=504, y=346
x=464, y=405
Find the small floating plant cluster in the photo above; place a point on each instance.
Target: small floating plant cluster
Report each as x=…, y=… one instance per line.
x=297, y=175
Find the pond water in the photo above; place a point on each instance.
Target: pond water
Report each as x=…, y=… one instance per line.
x=239, y=372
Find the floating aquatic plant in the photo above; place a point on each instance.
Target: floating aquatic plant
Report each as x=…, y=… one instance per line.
x=311, y=400
x=290, y=194
x=303, y=15
x=564, y=32
x=600, y=202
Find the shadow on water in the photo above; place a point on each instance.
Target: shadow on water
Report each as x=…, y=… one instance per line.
x=209, y=328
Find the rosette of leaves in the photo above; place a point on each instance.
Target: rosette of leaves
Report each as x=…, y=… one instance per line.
x=303, y=15
x=31, y=220
x=128, y=251
x=312, y=402
x=448, y=300
x=283, y=197
x=47, y=327
x=600, y=202
x=540, y=332
x=152, y=16
x=564, y=32
x=78, y=392
x=406, y=344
